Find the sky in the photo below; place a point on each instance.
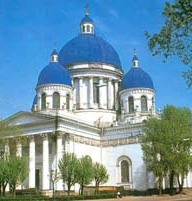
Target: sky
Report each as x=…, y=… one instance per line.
x=30, y=29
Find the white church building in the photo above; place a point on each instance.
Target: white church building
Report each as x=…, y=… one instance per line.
x=85, y=104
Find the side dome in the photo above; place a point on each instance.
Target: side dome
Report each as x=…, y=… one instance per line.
x=88, y=48
x=136, y=77
x=54, y=73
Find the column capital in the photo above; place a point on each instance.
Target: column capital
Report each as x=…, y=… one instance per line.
x=31, y=137
x=44, y=135
x=60, y=133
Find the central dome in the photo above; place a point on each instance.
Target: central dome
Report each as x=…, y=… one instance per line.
x=88, y=48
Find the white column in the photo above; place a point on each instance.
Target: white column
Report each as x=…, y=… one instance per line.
x=115, y=95
x=46, y=173
x=19, y=150
x=90, y=92
x=19, y=154
x=101, y=95
x=32, y=162
x=80, y=92
x=59, y=184
x=7, y=150
x=6, y=156
x=110, y=96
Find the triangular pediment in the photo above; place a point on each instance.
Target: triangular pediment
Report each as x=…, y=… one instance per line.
x=22, y=118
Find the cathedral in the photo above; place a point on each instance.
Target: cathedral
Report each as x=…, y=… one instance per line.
x=85, y=104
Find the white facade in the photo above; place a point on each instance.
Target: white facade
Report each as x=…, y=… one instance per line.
x=93, y=116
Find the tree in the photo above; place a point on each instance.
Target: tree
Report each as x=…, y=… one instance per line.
x=7, y=130
x=68, y=165
x=167, y=145
x=17, y=171
x=84, y=172
x=100, y=175
x=4, y=177
x=174, y=38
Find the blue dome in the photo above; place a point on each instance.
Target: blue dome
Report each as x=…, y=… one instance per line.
x=136, y=78
x=86, y=19
x=88, y=48
x=54, y=73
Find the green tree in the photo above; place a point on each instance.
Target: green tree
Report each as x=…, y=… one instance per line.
x=68, y=165
x=100, y=175
x=167, y=144
x=4, y=177
x=174, y=38
x=7, y=130
x=17, y=171
x=84, y=172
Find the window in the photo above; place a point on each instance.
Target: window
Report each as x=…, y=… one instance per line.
x=56, y=100
x=95, y=92
x=144, y=104
x=88, y=28
x=83, y=28
x=67, y=101
x=124, y=171
x=131, y=104
x=43, y=101
x=122, y=106
x=153, y=104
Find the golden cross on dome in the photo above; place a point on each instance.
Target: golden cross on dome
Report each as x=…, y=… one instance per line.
x=87, y=9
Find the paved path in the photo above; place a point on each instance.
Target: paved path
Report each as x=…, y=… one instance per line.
x=187, y=197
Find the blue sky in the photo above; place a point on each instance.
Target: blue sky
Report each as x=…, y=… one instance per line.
x=29, y=30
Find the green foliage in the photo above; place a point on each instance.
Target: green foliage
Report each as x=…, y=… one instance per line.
x=100, y=175
x=167, y=144
x=17, y=171
x=84, y=172
x=4, y=176
x=68, y=165
x=174, y=38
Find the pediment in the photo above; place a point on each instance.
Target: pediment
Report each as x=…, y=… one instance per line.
x=21, y=118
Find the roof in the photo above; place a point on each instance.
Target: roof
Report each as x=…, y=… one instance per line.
x=136, y=78
x=86, y=19
x=54, y=73
x=89, y=48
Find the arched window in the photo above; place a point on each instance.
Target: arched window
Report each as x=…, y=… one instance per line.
x=124, y=168
x=124, y=171
x=83, y=28
x=144, y=104
x=95, y=92
x=88, y=28
x=67, y=101
x=56, y=100
x=131, y=104
x=153, y=104
x=43, y=101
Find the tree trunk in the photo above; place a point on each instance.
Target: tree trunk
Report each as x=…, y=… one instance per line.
x=171, y=182
x=68, y=189
x=14, y=190
x=160, y=184
x=180, y=183
x=4, y=187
